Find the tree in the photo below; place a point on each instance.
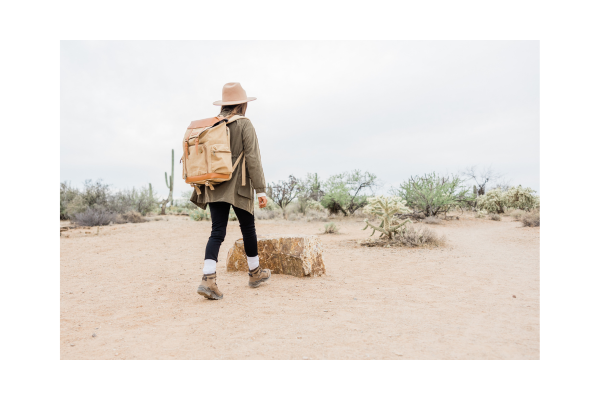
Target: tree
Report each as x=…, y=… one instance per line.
x=348, y=191
x=283, y=192
x=482, y=177
x=309, y=189
x=432, y=194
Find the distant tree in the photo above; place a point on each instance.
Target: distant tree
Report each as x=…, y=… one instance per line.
x=348, y=191
x=481, y=177
x=283, y=192
x=432, y=194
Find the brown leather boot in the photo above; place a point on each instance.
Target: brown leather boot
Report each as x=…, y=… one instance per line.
x=208, y=288
x=258, y=276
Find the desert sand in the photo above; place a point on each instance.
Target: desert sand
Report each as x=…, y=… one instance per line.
x=133, y=286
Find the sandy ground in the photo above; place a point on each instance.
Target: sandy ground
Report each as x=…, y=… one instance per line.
x=134, y=287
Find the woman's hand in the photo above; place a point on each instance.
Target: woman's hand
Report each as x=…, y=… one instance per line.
x=262, y=202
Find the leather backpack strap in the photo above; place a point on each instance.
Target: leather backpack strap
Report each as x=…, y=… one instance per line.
x=243, y=167
x=235, y=118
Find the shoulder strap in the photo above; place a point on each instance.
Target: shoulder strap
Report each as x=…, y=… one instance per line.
x=235, y=118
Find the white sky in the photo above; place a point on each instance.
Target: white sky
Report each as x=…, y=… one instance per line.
x=394, y=108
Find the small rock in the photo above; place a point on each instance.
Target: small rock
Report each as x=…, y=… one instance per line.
x=299, y=337
x=72, y=345
x=93, y=335
x=514, y=297
x=355, y=298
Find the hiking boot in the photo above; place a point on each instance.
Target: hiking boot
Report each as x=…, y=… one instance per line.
x=258, y=276
x=208, y=288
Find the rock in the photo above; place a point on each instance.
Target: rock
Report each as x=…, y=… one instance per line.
x=93, y=335
x=296, y=255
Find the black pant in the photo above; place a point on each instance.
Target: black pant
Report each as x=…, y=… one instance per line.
x=219, y=214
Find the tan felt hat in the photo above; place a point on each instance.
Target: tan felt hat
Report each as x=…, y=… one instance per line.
x=233, y=93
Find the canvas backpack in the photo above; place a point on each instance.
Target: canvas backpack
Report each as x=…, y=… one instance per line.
x=207, y=153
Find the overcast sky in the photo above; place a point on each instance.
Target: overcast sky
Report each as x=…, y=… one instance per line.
x=394, y=108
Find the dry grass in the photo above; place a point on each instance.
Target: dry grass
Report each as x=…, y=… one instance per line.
x=411, y=237
x=495, y=217
x=331, y=228
x=531, y=219
x=432, y=220
x=94, y=217
x=132, y=217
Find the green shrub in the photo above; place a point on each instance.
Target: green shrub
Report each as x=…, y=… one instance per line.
x=67, y=194
x=432, y=194
x=348, y=191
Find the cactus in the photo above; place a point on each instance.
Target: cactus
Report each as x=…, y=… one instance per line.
x=169, y=181
x=385, y=209
x=150, y=192
x=474, y=191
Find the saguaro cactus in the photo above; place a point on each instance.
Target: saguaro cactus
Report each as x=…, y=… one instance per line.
x=385, y=208
x=169, y=181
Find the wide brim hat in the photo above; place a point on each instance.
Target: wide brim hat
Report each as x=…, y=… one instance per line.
x=233, y=93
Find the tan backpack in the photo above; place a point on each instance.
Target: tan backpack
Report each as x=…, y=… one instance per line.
x=207, y=153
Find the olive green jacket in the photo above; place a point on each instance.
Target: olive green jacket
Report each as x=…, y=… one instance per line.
x=242, y=138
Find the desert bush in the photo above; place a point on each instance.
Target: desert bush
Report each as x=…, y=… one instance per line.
x=293, y=217
x=420, y=237
x=432, y=194
x=495, y=217
x=94, y=217
x=432, y=220
x=309, y=192
x=67, y=194
x=313, y=215
x=331, y=228
x=348, y=191
x=498, y=201
x=410, y=237
x=232, y=216
x=385, y=209
x=283, y=192
x=517, y=214
x=521, y=198
x=531, y=219
x=493, y=202
x=481, y=214
x=199, y=214
x=314, y=205
x=133, y=217
x=264, y=213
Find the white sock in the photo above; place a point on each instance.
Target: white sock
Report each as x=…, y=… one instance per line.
x=210, y=267
x=252, y=262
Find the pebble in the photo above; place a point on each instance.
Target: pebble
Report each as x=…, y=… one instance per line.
x=72, y=345
x=93, y=335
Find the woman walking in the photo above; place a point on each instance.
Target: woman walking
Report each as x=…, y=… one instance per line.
x=232, y=193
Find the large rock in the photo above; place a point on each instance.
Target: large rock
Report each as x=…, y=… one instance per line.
x=298, y=255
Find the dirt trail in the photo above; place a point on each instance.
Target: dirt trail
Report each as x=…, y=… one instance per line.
x=134, y=286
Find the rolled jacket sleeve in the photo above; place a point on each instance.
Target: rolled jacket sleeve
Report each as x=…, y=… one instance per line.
x=253, y=159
